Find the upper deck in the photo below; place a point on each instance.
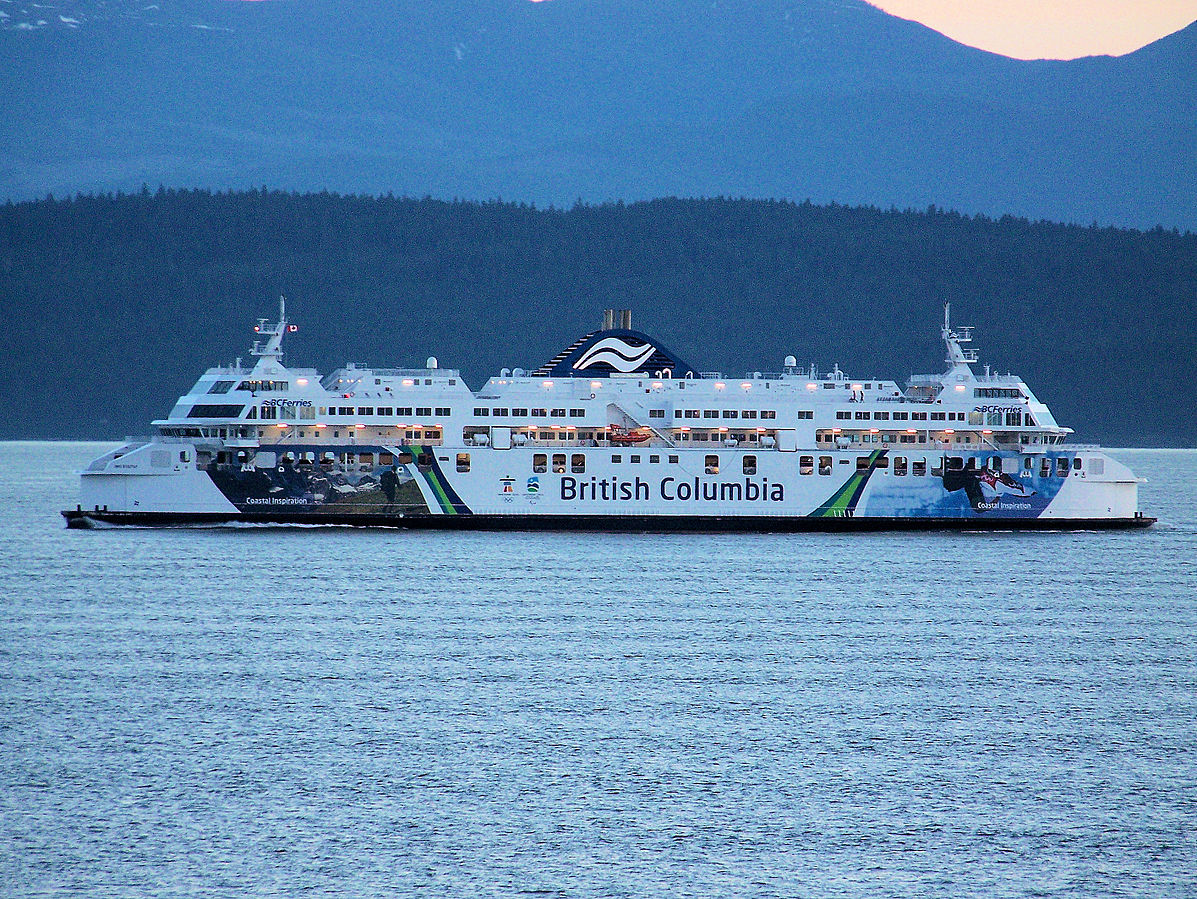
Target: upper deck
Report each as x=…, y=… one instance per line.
x=608, y=384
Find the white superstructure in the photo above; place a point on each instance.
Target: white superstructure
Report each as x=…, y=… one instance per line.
x=615, y=431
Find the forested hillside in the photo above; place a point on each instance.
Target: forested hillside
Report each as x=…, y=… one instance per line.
x=113, y=305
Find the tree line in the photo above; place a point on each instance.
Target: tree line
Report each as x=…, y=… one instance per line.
x=115, y=303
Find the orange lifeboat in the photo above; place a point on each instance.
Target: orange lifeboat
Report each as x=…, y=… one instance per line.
x=620, y=434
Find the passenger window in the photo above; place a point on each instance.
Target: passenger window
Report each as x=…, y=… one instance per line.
x=463, y=461
x=1076, y=463
x=1045, y=468
x=558, y=463
x=955, y=463
x=750, y=465
x=825, y=465
x=404, y=458
x=900, y=466
x=806, y=465
x=540, y=463
x=937, y=467
x=712, y=466
x=1061, y=466
x=918, y=468
x=862, y=463
x=577, y=463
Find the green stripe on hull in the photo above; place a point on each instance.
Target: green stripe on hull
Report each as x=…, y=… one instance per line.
x=843, y=502
x=431, y=478
x=446, y=496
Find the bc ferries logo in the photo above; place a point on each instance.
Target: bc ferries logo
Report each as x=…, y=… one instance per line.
x=617, y=353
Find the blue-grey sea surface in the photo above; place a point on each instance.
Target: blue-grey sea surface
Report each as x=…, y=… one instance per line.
x=327, y=711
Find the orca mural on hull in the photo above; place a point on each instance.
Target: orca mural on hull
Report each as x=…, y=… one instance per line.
x=971, y=488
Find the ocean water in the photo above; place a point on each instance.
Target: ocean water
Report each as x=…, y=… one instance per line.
x=285, y=712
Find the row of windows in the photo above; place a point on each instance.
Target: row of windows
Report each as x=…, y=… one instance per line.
x=843, y=415
x=308, y=413
x=408, y=382
x=263, y=386
x=902, y=465
x=404, y=433
x=540, y=462
x=387, y=411
x=286, y=413
x=995, y=393
x=918, y=467
x=517, y=412
x=577, y=462
x=214, y=411
x=727, y=413
x=252, y=386
x=1001, y=419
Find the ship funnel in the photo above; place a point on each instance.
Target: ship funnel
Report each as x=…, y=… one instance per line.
x=617, y=318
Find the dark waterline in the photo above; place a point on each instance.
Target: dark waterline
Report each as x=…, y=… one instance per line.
x=281, y=711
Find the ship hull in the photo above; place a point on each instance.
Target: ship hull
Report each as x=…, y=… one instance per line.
x=615, y=489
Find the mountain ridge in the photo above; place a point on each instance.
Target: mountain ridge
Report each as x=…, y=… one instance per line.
x=551, y=102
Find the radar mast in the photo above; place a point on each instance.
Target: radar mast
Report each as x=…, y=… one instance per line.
x=273, y=332
x=958, y=356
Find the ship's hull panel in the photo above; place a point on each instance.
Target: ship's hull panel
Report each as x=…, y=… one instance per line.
x=614, y=488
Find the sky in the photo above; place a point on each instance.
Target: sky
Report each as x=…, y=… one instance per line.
x=1049, y=29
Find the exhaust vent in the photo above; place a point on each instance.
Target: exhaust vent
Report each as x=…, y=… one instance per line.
x=617, y=318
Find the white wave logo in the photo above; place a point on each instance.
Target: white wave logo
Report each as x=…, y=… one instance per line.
x=616, y=353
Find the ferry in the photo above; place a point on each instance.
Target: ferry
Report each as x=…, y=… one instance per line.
x=616, y=432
